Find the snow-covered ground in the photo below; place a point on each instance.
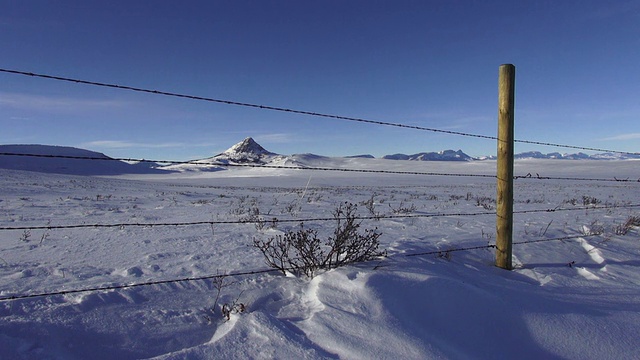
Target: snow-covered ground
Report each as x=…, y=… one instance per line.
x=571, y=299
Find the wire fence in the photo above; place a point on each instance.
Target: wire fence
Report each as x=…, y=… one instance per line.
x=304, y=220
x=213, y=162
x=300, y=112
x=314, y=168
x=263, y=271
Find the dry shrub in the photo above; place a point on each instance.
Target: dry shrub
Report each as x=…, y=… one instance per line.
x=302, y=252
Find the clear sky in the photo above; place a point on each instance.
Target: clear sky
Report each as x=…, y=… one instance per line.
x=430, y=63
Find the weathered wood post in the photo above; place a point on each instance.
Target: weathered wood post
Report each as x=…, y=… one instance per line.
x=504, y=201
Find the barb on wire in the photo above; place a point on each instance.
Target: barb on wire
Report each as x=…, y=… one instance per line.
x=301, y=112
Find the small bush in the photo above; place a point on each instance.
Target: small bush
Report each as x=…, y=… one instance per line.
x=302, y=252
x=293, y=208
x=446, y=255
x=228, y=308
x=253, y=216
x=589, y=200
x=623, y=229
x=403, y=208
x=633, y=221
x=595, y=228
x=572, y=201
x=371, y=206
x=26, y=236
x=485, y=202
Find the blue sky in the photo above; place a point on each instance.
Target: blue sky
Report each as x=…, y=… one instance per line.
x=426, y=63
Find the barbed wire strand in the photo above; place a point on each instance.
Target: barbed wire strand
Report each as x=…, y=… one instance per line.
x=266, y=166
x=436, y=252
x=301, y=112
x=262, y=271
x=248, y=221
x=570, y=237
x=586, y=207
x=127, y=286
x=266, y=107
x=222, y=164
x=540, y=177
x=275, y=219
x=243, y=104
x=490, y=246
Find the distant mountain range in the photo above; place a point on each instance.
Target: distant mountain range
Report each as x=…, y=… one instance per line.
x=446, y=155
x=60, y=159
x=248, y=151
x=578, y=156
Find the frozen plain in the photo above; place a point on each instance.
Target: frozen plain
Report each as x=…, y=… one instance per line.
x=576, y=298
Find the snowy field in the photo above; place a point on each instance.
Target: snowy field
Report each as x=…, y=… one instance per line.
x=567, y=299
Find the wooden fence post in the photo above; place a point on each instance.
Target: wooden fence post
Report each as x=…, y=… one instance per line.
x=504, y=201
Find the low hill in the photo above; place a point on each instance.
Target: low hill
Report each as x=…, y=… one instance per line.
x=67, y=160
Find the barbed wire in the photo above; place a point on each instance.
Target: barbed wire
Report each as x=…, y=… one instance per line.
x=127, y=286
x=490, y=246
x=574, y=147
x=562, y=238
x=540, y=177
x=267, y=166
x=244, y=104
x=579, y=208
x=308, y=113
x=96, y=158
x=246, y=221
x=319, y=219
x=264, y=271
x=437, y=252
x=302, y=112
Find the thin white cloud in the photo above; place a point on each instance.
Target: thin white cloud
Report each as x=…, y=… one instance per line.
x=631, y=136
x=464, y=122
x=446, y=120
x=431, y=115
x=117, y=144
x=280, y=138
x=107, y=144
x=54, y=103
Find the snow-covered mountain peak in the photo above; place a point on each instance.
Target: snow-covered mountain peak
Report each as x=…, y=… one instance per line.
x=247, y=146
x=246, y=151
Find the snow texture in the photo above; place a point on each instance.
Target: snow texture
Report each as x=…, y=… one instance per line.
x=571, y=299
